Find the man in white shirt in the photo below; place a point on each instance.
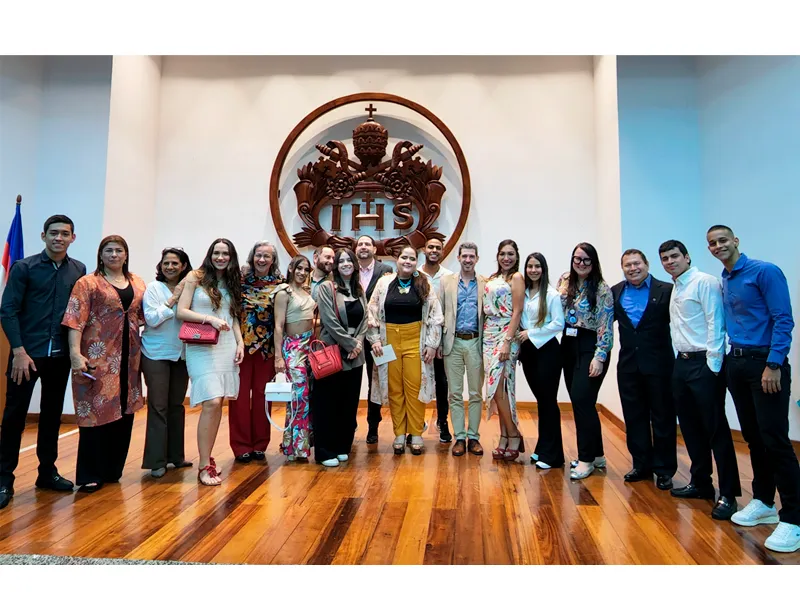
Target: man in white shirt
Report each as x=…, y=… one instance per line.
x=697, y=327
x=434, y=272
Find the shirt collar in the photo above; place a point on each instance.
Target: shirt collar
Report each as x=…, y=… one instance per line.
x=46, y=258
x=369, y=268
x=740, y=264
x=686, y=276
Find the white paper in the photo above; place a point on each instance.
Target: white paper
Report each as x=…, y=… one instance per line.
x=388, y=355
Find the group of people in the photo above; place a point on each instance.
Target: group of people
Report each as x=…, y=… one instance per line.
x=419, y=331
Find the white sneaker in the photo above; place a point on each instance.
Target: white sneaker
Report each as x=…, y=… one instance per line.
x=599, y=463
x=331, y=462
x=785, y=538
x=534, y=457
x=342, y=457
x=755, y=513
x=543, y=465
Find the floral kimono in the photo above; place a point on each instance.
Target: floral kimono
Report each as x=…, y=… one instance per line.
x=95, y=310
x=430, y=336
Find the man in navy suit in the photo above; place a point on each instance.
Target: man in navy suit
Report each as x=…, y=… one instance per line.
x=370, y=270
x=644, y=370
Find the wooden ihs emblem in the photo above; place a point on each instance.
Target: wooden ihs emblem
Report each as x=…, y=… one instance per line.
x=404, y=179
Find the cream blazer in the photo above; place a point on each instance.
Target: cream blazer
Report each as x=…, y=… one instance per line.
x=430, y=336
x=449, y=302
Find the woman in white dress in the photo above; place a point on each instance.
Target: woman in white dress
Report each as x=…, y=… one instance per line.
x=212, y=295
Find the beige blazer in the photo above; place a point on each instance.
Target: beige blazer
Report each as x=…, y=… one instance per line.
x=449, y=302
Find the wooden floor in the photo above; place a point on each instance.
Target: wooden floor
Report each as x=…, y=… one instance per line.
x=379, y=509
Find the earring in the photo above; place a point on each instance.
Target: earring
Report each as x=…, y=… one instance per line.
x=416, y=273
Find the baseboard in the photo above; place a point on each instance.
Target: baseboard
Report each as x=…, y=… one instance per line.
x=611, y=416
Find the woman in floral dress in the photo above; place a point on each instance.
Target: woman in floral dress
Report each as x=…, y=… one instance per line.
x=104, y=315
x=503, y=299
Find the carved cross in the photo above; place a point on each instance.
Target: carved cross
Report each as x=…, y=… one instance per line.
x=371, y=109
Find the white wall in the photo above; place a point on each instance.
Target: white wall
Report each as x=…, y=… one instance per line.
x=53, y=136
x=526, y=125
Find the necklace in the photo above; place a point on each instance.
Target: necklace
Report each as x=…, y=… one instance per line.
x=405, y=286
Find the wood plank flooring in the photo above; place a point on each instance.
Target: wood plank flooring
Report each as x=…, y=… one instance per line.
x=434, y=509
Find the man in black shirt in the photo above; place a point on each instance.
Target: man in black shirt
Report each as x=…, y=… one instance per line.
x=34, y=302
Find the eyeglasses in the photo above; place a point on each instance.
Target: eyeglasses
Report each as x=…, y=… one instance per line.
x=577, y=260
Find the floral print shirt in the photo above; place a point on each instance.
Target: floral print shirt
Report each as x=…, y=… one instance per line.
x=601, y=319
x=94, y=309
x=258, y=313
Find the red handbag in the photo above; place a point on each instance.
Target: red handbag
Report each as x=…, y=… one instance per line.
x=198, y=333
x=327, y=360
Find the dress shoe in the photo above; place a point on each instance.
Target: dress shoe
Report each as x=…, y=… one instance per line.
x=474, y=447
x=258, y=455
x=445, y=437
x=599, y=462
x=724, y=509
x=54, y=482
x=158, y=473
x=372, y=436
x=5, y=496
x=692, y=491
x=664, y=482
x=638, y=475
x=459, y=448
x=90, y=489
x=244, y=458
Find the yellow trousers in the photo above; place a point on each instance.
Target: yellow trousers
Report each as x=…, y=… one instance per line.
x=405, y=378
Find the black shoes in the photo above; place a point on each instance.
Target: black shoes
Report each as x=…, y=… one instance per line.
x=372, y=436
x=244, y=458
x=6, y=493
x=724, y=509
x=444, y=433
x=258, y=455
x=692, y=491
x=663, y=482
x=54, y=482
x=637, y=475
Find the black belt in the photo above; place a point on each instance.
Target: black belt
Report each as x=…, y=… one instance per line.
x=752, y=352
x=469, y=335
x=690, y=355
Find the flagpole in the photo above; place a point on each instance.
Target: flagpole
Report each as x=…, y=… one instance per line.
x=5, y=348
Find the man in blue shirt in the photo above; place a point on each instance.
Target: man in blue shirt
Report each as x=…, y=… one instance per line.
x=644, y=370
x=758, y=315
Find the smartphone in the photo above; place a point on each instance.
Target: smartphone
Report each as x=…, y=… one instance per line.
x=92, y=377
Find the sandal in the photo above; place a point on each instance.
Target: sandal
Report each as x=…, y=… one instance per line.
x=417, y=445
x=399, y=445
x=211, y=473
x=510, y=454
x=500, y=451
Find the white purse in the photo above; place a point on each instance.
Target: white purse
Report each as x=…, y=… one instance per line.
x=280, y=390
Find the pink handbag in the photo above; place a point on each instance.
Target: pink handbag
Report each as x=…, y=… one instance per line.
x=198, y=333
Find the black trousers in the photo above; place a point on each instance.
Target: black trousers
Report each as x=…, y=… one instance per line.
x=167, y=381
x=700, y=402
x=334, y=408
x=103, y=450
x=764, y=419
x=649, y=411
x=374, y=416
x=54, y=373
x=442, y=403
x=542, y=368
x=577, y=353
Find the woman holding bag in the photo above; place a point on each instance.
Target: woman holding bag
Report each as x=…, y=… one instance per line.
x=334, y=399
x=405, y=313
x=294, y=326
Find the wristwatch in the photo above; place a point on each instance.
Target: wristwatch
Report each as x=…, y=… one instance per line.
x=774, y=366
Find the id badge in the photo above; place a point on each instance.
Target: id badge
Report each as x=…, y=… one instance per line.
x=572, y=332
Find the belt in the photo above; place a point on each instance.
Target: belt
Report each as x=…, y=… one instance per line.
x=466, y=335
x=690, y=355
x=753, y=351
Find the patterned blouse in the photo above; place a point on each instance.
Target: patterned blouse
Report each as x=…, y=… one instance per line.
x=601, y=319
x=258, y=316
x=96, y=311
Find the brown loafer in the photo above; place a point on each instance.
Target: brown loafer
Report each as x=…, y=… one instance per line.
x=459, y=448
x=475, y=448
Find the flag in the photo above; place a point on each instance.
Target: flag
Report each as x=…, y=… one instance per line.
x=13, y=250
